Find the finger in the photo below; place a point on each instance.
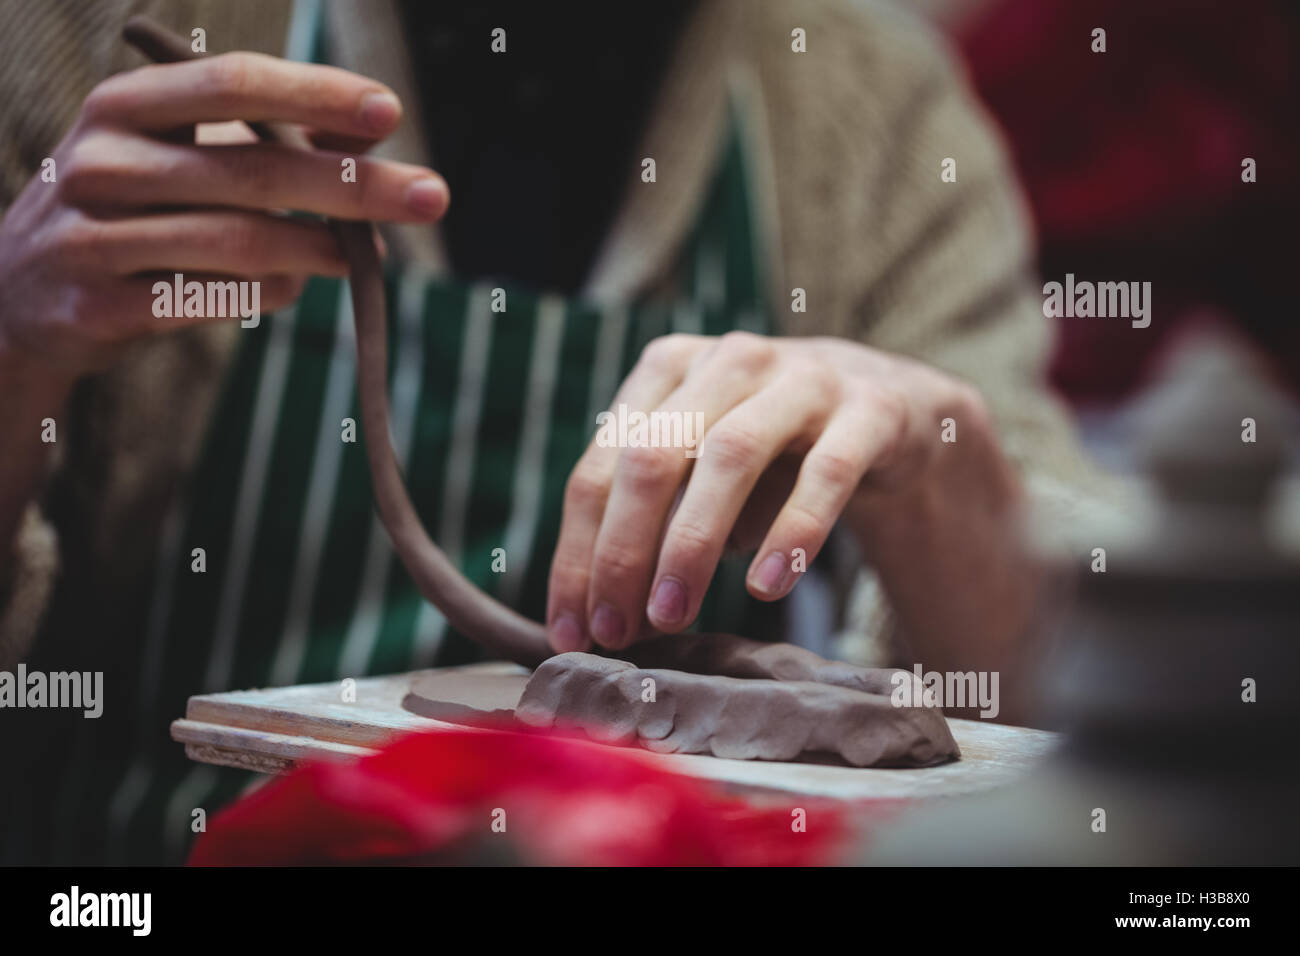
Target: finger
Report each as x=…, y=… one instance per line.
x=131, y=302
x=245, y=86
x=660, y=370
x=830, y=473
x=647, y=480
x=132, y=170
x=236, y=243
x=736, y=452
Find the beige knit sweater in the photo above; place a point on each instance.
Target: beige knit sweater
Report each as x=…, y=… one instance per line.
x=849, y=138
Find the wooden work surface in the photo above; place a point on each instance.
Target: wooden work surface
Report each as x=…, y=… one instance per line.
x=269, y=730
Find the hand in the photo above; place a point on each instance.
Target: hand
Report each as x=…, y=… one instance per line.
x=795, y=433
x=135, y=200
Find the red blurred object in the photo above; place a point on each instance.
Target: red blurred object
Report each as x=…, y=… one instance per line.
x=431, y=798
x=1132, y=161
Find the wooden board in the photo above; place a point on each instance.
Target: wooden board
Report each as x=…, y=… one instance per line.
x=270, y=730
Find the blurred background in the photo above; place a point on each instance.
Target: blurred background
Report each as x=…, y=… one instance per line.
x=1131, y=162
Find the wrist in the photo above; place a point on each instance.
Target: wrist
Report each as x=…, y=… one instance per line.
x=882, y=519
x=965, y=482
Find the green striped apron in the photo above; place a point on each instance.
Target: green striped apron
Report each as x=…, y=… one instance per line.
x=490, y=412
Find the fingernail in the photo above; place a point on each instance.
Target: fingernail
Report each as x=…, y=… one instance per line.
x=770, y=578
x=566, y=634
x=668, y=605
x=380, y=111
x=426, y=197
x=608, y=626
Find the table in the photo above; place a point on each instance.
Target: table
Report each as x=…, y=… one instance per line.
x=273, y=729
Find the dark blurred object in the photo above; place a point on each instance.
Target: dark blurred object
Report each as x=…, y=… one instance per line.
x=538, y=145
x=1132, y=162
x=434, y=799
x=1177, y=674
x=1201, y=598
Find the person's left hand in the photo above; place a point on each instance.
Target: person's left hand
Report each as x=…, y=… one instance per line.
x=794, y=432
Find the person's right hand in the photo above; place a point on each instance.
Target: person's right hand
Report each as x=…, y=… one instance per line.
x=136, y=200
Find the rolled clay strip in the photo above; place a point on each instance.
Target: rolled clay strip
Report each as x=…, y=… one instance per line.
x=731, y=717
x=498, y=628
x=770, y=701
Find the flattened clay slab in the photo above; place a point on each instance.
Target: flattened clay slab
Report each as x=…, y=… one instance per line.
x=713, y=694
x=728, y=716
